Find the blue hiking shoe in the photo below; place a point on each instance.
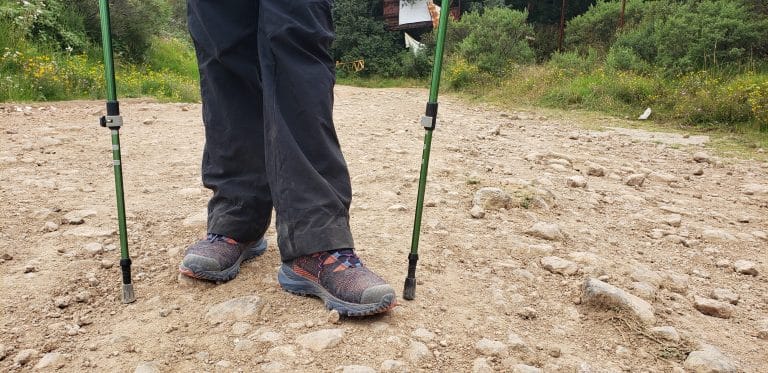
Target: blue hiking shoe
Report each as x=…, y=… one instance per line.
x=340, y=279
x=218, y=258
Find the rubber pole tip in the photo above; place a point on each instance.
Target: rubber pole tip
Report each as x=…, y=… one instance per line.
x=128, y=295
x=409, y=291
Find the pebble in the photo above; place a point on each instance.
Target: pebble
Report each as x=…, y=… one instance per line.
x=594, y=169
x=77, y=216
x=106, y=264
x=333, y=317
x=528, y=313
x=93, y=248
x=673, y=220
x=397, y=207
x=271, y=337
x=515, y=342
x=709, y=360
x=490, y=198
x=393, y=366
x=195, y=219
x=725, y=295
x=274, y=367
x=62, y=302
x=635, y=180
x=423, y=335
x=675, y=282
x=644, y=290
x=762, y=332
x=490, y=347
x=321, y=339
x=599, y=293
x=30, y=268
x=356, y=369
x=546, y=231
x=24, y=356
x=50, y=360
x=668, y=333
x=416, y=352
x=522, y=368
x=577, y=181
x=3, y=351
x=480, y=365
x=698, y=171
x=643, y=274
x=559, y=266
x=238, y=309
x=477, y=212
x=50, y=227
x=701, y=157
x=86, y=231
x=711, y=307
x=83, y=296
x=745, y=267
x=224, y=364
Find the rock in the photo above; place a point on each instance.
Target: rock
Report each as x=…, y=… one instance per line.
x=199, y=218
x=50, y=227
x=106, y=264
x=423, y=335
x=725, y=295
x=698, y=171
x=490, y=347
x=522, y=368
x=281, y=352
x=635, y=180
x=480, y=365
x=3, y=351
x=62, y=302
x=644, y=290
x=515, y=342
x=397, y=207
x=30, y=268
x=716, y=234
x=709, y=360
x=86, y=231
x=546, y=231
x=558, y=265
x=50, y=360
x=643, y=274
x=357, y=369
x=594, y=169
x=416, y=352
x=711, y=307
x=274, y=367
x=93, y=248
x=83, y=296
x=667, y=333
x=675, y=282
x=238, y=309
x=321, y=339
x=270, y=337
x=491, y=198
x=147, y=367
x=577, y=181
x=393, y=366
x=599, y=293
x=24, y=356
x=77, y=216
x=662, y=177
x=528, y=313
x=753, y=189
x=762, y=332
x=701, y=157
x=745, y=267
x=673, y=220
x=477, y=212
x=333, y=317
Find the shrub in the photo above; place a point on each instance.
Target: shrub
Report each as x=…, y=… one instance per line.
x=497, y=38
x=597, y=27
x=573, y=62
x=626, y=59
x=460, y=73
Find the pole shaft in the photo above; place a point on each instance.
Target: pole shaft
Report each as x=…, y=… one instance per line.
x=116, y=160
x=106, y=45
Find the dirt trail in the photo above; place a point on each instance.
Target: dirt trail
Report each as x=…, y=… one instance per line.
x=497, y=291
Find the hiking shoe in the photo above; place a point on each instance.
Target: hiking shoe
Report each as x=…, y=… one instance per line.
x=341, y=280
x=218, y=258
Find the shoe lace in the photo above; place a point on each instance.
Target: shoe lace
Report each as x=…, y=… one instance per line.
x=213, y=237
x=342, y=259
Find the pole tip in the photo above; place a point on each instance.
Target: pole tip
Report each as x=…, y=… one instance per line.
x=409, y=291
x=128, y=295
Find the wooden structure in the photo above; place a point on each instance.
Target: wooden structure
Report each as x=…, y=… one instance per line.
x=392, y=16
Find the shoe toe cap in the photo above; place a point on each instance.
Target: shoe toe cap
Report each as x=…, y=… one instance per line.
x=378, y=294
x=197, y=263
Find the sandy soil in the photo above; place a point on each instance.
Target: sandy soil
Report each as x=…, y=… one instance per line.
x=489, y=296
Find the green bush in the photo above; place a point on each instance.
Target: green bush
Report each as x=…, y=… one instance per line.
x=497, y=39
x=172, y=54
x=626, y=59
x=461, y=74
x=597, y=27
x=575, y=63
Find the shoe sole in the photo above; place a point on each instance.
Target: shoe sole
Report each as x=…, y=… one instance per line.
x=294, y=283
x=229, y=273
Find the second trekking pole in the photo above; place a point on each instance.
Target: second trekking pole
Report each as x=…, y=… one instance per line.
x=428, y=121
x=114, y=121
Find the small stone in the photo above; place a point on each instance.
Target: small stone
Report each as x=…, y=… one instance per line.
x=709, y=360
x=238, y=309
x=745, y=267
x=577, y=181
x=423, y=335
x=675, y=282
x=6, y=256
x=106, y=264
x=666, y=332
x=86, y=231
x=30, y=268
x=50, y=360
x=644, y=290
x=93, y=248
x=725, y=295
x=528, y=313
x=698, y=171
x=321, y=339
x=546, y=231
x=673, y=220
x=50, y=227
x=416, y=352
x=491, y=199
x=522, y=368
x=635, y=180
x=490, y=347
x=24, y=356
x=477, y=212
x=270, y=337
x=397, y=207
x=83, y=296
x=78, y=216
x=357, y=369
x=62, y=302
x=559, y=266
x=597, y=292
x=480, y=365
x=393, y=366
x=333, y=317
x=594, y=169
x=762, y=332
x=274, y=367
x=701, y=157
x=711, y=307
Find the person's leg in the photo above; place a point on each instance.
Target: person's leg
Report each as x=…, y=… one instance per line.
x=307, y=173
x=239, y=212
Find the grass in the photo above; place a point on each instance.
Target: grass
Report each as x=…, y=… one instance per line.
x=379, y=82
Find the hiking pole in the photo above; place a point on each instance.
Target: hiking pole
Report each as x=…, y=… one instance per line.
x=428, y=121
x=114, y=121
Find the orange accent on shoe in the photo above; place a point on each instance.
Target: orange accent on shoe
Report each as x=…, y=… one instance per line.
x=304, y=273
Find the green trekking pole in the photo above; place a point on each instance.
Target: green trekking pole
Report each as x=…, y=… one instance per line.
x=114, y=121
x=428, y=121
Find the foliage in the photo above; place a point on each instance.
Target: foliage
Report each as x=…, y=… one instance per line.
x=597, y=27
x=46, y=22
x=460, y=74
x=496, y=39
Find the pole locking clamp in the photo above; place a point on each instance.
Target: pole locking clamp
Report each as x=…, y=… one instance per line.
x=111, y=121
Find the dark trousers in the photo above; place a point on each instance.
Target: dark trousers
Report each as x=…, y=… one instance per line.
x=266, y=78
